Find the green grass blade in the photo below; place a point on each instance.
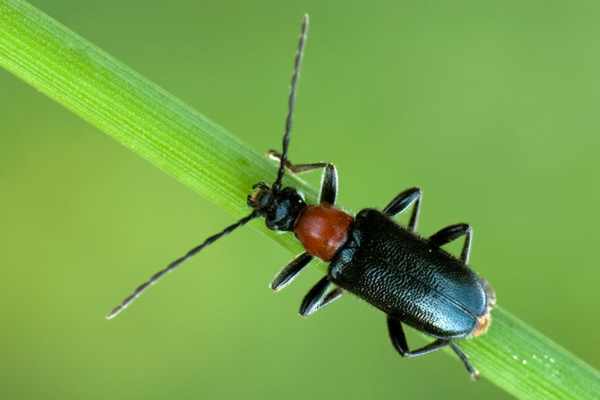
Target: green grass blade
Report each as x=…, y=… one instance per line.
x=208, y=159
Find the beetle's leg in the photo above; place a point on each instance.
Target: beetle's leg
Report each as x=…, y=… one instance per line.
x=453, y=232
x=329, y=298
x=329, y=185
x=463, y=357
x=399, y=341
x=290, y=271
x=332, y=296
x=314, y=297
x=329, y=181
x=404, y=200
x=295, y=168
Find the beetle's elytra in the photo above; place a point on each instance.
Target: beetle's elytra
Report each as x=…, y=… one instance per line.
x=408, y=277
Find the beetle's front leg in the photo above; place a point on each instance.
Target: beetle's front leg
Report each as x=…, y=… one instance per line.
x=295, y=168
x=329, y=182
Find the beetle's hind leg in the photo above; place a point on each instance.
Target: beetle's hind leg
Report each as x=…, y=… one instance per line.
x=398, y=339
x=453, y=232
x=463, y=357
x=404, y=200
x=316, y=298
x=329, y=182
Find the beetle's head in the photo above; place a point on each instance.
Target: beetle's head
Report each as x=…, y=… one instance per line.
x=280, y=208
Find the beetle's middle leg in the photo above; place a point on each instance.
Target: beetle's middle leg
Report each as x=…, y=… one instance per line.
x=329, y=182
x=398, y=339
x=453, y=232
x=404, y=200
x=316, y=298
x=290, y=271
x=463, y=357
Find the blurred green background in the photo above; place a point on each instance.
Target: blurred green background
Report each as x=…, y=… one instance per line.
x=490, y=107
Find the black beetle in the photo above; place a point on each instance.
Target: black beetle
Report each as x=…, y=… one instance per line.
x=408, y=277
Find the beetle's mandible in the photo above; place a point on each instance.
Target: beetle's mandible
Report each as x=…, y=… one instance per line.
x=408, y=277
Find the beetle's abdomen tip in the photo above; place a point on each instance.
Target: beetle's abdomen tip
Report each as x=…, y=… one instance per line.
x=490, y=294
x=483, y=324
x=484, y=321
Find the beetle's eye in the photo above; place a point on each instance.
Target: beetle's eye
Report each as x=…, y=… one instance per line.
x=260, y=196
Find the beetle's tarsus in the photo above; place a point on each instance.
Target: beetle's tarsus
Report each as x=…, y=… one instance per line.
x=465, y=359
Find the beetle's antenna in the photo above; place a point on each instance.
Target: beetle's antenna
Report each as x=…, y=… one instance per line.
x=291, y=101
x=174, y=264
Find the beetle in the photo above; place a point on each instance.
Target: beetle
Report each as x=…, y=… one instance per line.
x=408, y=277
